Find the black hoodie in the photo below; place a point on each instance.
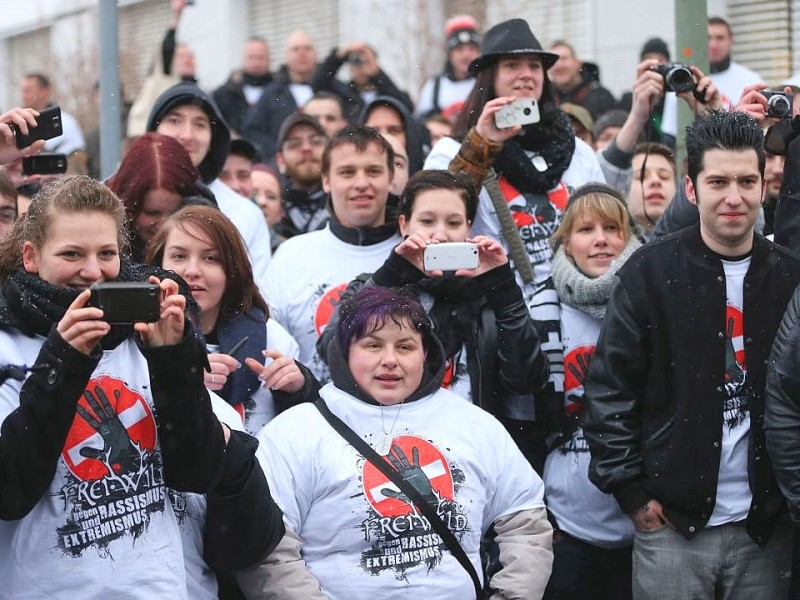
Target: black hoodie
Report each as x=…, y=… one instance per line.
x=188, y=93
x=417, y=137
x=432, y=374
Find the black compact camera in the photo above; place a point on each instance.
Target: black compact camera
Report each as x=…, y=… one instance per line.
x=677, y=77
x=779, y=104
x=44, y=164
x=48, y=126
x=127, y=301
x=355, y=59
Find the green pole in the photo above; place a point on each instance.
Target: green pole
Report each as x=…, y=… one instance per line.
x=691, y=43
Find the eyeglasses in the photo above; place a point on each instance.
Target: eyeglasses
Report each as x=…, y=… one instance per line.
x=295, y=143
x=8, y=215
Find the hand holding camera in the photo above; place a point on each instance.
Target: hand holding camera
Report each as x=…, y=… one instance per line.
x=24, y=121
x=487, y=125
x=761, y=103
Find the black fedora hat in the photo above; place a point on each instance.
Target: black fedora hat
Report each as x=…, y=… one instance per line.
x=510, y=37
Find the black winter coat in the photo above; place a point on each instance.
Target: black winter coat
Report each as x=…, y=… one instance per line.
x=655, y=388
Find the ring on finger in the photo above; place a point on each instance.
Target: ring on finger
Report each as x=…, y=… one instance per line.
x=213, y=378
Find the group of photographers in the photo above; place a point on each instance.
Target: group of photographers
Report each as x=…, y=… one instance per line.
x=622, y=334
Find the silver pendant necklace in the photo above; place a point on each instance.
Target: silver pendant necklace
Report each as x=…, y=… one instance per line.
x=384, y=445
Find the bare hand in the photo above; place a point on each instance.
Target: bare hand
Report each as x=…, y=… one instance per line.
x=486, y=126
x=280, y=373
x=491, y=254
x=82, y=326
x=168, y=330
x=650, y=516
x=222, y=365
x=23, y=118
x=413, y=249
x=753, y=102
x=705, y=95
x=647, y=89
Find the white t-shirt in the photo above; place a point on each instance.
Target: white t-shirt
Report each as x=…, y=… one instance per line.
x=580, y=508
x=733, y=487
x=362, y=542
x=101, y=530
x=70, y=140
x=306, y=278
x=249, y=220
x=450, y=92
x=732, y=81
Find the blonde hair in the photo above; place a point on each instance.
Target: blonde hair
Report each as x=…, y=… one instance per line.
x=603, y=204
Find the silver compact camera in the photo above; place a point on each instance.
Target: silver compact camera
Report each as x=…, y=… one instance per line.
x=520, y=112
x=450, y=256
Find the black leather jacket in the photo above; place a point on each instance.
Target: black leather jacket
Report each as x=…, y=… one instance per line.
x=782, y=406
x=655, y=388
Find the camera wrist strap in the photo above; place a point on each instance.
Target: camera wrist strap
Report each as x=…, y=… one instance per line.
x=522, y=262
x=352, y=438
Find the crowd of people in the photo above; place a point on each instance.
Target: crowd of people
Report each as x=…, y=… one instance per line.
x=315, y=410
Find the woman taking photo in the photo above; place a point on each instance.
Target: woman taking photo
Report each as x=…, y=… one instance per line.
x=109, y=417
x=491, y=345
x=351, y=532
x=201, y=245
x=535, y=165
x=153, y=179
x=593, y=538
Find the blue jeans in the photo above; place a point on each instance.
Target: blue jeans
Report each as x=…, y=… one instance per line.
x=721, y=563
x=582, y=571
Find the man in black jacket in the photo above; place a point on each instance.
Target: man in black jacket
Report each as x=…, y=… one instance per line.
x=676, y=388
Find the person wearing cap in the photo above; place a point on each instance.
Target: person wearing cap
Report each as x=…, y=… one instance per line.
x=455, y=83
x=582, y=122
x=301, y=141
x=238, y=167
x=536, y=166
x=577, y=82
x=188, y=114
x=391, y=117
x=328, y=109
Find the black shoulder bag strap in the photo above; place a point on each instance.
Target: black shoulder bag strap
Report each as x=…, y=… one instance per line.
x=352, y=438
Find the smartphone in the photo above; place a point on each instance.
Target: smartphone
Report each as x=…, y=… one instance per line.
x=44, y=164
x=450, y=256
x=127, y=302
x=48, y=126
x=521, y=112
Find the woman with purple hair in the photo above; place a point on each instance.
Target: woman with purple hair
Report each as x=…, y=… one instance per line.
x=353, y=533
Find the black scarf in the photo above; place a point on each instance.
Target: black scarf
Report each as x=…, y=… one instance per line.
x=552, y=139
x=256, y=80
x=721, y=66
x=33, y=305
x=452, y=312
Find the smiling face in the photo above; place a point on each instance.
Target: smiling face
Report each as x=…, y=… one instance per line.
x=728, y=194
x=593, y=243
x=81, y=248
x=191, y=126
x=388, y=363
x=358, y=183
x=519, y=75
x=300, y=156
x=648, y=199
x=192, y=256
x=440, y=214
x=157, y=206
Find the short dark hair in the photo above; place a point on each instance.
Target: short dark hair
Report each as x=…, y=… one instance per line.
x=40, y=78
x=720, y=21
x=722, y=130
x=359, y=136
x=372, y=306
x=655, y=148
x=7, y=188
x=324, y=95
x=423, y=181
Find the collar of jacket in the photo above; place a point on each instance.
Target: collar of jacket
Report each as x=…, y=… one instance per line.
x=361, y=236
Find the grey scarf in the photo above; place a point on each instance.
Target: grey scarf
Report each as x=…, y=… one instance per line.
x=587, y=294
